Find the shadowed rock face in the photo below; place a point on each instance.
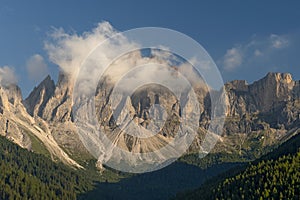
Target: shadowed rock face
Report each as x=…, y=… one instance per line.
x=268, y=108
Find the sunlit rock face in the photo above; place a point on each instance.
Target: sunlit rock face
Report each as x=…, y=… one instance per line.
x=276, y=96
x=10, y=108
x=269, y=107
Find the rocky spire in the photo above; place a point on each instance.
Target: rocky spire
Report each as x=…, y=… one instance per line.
x=40, y=95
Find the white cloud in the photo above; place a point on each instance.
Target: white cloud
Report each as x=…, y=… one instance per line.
x=233, y=58
x=36, y=67
x=7, y=76
x=69, y=52
x=278, y=42
x=258, y=52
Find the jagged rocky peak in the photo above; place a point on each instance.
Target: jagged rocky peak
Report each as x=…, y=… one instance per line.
x=280, y=77
x=48, y=82
x=296, y=90
x=273, y=80
x=64, y=81
x=272, y=89
x=145, y=97
x=11, y=107
x=40, y=95
x=49, y=101
x=239, y=85
x=9, y=94
x=263, y=95
x=3, y=101
x=58, y=104
x=13, y=93
x=268, y=104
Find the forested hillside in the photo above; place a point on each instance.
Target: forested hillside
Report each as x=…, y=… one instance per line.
x=26, y=175
x=274, y=176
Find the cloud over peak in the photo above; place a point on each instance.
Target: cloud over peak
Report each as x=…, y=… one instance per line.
x=7, y=76
x=36, y=67
x=104, y=51
x=68, y=50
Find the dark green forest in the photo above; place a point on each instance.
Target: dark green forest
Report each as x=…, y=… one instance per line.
x=26, y=175
x=274, y=176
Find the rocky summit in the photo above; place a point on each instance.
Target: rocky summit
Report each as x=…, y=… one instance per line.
x=264, y=113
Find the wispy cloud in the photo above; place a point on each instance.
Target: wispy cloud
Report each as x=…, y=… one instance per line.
x=7, y=76
x=233, y=58
x=256, y=49
x=69, y=51
x=258, y=53
x=278, y=42
x=36, y=67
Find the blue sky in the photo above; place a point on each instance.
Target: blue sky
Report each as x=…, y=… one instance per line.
x=246, y=39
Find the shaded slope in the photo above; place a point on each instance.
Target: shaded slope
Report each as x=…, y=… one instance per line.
x=275, y=175
x=158, y=185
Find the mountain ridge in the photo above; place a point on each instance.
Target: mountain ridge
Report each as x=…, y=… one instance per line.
x=264, y=110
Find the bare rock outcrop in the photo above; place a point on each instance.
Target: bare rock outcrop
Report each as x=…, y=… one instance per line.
x=268, y=108
x=20, y=127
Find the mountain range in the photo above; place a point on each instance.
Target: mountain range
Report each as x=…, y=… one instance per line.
x=259, y=117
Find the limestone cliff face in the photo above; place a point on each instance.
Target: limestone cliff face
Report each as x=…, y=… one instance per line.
x=273, y=89
x=53, y=105
x=296, y=90
x=58, y=106
x=49, y=101
x=268, y=108
x=10, y=108
x=262, y=95
x=275, y=98
x=37, y=100
x=21, y=123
